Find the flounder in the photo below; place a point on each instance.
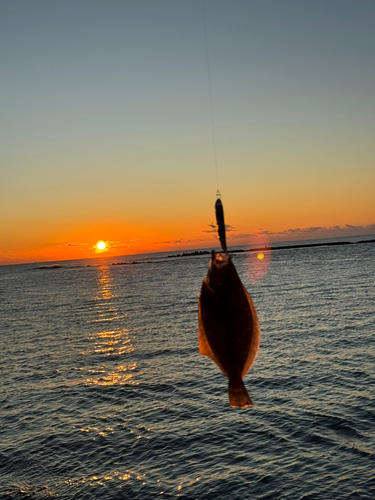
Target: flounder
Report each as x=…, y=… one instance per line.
x=228, y=326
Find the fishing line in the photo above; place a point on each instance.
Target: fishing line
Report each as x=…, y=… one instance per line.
x=219, y=210
x=210, y=93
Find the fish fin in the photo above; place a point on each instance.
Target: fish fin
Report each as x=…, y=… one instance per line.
x=255, y=341
x=238, y=395
x=204, y=347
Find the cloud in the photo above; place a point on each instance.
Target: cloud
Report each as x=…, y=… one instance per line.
x=304, y=230
x=209, y=228
x=179, y=241
x=61, y=245
x=322, y=231
x=175, y=241
x=120, y=244
x=212, y=228
x=117, y=244
x=237, y=236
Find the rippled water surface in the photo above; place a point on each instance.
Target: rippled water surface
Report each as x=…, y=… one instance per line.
x=104, y=395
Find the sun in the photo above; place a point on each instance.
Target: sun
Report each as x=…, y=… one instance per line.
x=101, y=245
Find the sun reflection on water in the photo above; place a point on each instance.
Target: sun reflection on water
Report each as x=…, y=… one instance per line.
x=105, y=284
x=119, y=477
x=118, y=376
x=113, y=342
x=110, y=343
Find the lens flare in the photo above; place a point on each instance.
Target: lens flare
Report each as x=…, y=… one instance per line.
x=258, y=258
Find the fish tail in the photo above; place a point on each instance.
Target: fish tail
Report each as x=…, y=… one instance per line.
x=238, y=395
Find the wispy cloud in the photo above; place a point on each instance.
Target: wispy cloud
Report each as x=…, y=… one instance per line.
x=212, y=228
x=120, y=244
x=322, y=230
x=305, y=232
x=179, y=241
x=176, y=241
x=76, y=245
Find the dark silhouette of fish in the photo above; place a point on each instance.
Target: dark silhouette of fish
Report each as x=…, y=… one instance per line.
x=229, y=331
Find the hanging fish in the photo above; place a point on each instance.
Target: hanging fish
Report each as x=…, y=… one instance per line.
x=228, y=326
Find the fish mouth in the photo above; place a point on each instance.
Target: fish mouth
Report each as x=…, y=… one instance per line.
x=217, y=270
x=219, y=259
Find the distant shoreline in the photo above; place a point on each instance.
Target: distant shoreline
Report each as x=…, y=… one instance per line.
x=268, y=248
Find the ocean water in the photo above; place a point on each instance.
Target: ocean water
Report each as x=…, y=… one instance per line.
x=104, y=395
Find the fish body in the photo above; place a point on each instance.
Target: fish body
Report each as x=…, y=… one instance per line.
x=228, y=326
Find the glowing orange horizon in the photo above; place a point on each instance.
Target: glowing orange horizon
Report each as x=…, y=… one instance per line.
x=46, y=242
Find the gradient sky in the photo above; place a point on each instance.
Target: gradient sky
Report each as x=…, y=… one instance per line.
x=106, y=123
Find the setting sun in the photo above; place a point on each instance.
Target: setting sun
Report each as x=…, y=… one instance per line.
x=101, y=245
